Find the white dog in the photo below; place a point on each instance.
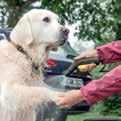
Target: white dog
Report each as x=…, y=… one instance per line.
x=21, y=61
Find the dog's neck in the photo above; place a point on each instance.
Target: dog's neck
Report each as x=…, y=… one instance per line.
x=35, y=67
x=19, y=48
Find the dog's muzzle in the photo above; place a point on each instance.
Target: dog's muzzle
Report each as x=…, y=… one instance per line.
x=64, y=35
x=65, y=31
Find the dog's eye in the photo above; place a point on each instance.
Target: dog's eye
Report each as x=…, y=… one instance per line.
x=46, y=19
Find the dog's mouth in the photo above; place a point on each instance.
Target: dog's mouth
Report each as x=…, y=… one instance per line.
x=62, y=42
x=53, y=47
x=63, y=39
x=47, y=50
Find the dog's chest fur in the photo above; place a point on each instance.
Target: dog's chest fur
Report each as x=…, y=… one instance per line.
x=16, y=68
x=15, y=65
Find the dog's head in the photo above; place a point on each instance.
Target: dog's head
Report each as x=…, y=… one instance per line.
x=37, y=32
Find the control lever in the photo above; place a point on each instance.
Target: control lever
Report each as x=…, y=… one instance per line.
x=83, y=61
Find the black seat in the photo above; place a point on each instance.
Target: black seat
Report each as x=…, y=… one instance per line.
x=5, y=33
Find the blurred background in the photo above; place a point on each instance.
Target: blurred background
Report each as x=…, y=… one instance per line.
x=91, y=23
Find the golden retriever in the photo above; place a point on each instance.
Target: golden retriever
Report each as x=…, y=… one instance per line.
x=21, y=63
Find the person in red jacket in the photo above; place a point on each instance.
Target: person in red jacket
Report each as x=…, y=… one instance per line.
x=102, y=88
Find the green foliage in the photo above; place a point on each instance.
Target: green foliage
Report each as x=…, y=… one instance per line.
x=112, y=106
x=94, y=17
x=117, y=16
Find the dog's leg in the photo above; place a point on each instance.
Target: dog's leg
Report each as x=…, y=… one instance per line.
x=20, y=96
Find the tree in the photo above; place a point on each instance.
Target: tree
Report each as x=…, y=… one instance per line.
x=94, y=17
x=117, y=16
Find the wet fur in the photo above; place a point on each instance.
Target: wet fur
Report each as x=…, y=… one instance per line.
x=20, y=90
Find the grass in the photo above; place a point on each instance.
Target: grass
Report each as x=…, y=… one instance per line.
x=82, y=117
x=93, y=113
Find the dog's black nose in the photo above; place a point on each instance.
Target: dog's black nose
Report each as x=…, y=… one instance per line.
x=65, y=31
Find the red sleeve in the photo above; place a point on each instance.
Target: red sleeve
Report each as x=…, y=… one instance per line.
x=108, y=85
x=110, y=52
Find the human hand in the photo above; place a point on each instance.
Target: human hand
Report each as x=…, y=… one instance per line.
x=86, y=67
x=70, y=98
x=92, y=53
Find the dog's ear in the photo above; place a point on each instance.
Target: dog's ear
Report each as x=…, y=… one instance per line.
x=22, y=33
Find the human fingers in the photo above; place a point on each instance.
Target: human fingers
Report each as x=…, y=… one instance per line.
x=81, y=56
x=87, y=67
x=91, y=67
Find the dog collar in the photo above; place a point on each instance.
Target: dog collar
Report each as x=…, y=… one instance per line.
x=19, y=48
x=35, y=67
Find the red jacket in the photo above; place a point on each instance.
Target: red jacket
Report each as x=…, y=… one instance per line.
x=110, y=83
